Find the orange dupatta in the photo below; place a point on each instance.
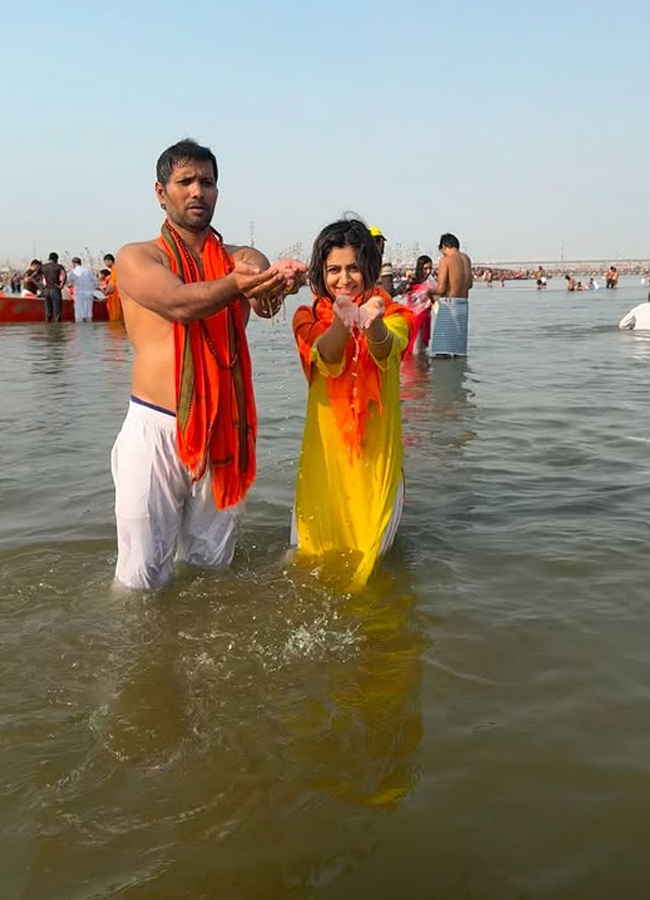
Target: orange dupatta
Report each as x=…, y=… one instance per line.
x=216, y=420
x=359, y=384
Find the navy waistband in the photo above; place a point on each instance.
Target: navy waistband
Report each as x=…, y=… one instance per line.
x=167, y=412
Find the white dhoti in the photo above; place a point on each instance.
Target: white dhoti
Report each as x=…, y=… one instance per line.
x=83, y=306
x=161, y=516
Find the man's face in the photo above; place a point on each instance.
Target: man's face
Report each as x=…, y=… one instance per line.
x=190, y=195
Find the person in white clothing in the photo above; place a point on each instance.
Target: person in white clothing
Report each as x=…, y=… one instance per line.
x=637, y=318
x=85, y=284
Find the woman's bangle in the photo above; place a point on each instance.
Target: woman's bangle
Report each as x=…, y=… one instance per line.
x=383, y=340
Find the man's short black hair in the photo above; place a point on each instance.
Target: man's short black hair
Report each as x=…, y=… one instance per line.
x=184, y=151
x=53, y=257
x=449, y=240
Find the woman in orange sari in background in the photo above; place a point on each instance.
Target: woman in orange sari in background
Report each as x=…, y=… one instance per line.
x=350, y=487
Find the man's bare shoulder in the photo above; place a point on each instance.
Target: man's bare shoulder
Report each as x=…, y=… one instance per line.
x=142, y=251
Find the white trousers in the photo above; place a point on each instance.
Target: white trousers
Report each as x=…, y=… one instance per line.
x=161, y=516
x=83, y=306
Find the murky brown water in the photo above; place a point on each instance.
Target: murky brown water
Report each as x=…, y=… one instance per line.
x=475, y=725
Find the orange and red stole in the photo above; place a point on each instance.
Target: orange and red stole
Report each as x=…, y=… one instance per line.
x=359, y=385
x=216, y=419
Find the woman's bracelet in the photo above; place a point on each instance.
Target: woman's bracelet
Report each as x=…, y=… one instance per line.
x=383, y=340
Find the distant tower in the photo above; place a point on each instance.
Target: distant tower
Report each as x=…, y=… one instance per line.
x=252, y=228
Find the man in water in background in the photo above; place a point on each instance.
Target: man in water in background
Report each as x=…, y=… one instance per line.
x=185, y=456
x=113, y=301
x=638, y=319
x=84, y=283
x=53, y=278
x=455, y=281
x=33, y=279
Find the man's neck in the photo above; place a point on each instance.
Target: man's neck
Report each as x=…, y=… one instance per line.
x=194, y=239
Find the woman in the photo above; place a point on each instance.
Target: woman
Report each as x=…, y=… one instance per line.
x=419, y=297
x=350, y=488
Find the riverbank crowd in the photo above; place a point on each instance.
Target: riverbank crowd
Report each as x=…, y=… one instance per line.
x=55, y=283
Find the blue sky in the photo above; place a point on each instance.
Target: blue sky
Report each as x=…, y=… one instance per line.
x=523, y=129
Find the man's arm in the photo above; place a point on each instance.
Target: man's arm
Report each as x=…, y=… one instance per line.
x=470, y=274
x=443, y=277
x=628, y=320
x=144, y=276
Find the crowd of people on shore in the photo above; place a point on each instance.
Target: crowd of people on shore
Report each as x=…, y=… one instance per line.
x=52, y=283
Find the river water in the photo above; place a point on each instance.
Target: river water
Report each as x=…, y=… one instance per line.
x=476, y=724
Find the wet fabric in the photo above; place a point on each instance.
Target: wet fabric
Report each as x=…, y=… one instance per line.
x=161, y=516
x=350, y=466
x=450, y=329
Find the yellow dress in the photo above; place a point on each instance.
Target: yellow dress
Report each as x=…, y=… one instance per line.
x=344, y=501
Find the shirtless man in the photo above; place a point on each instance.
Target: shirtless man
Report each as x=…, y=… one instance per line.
x=185, y=455
x=455, y=281
x=53, y=277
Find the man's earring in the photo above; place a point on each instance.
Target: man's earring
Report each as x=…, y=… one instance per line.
x=162, y=206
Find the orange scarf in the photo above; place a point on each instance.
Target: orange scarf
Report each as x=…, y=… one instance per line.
x=359, y=384
x=216, y=420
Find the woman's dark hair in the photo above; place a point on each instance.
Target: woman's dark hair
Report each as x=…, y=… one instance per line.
x=422, y=261
x=344, y=233
x=179, y=154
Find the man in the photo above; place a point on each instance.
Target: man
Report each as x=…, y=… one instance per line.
x=185, y=456
x=638, y=318
x=386, y=279
x=611, y=278
x=53, y=278
x=33, y=279
x=113, y=301
x=454, y=283
x=84, y=283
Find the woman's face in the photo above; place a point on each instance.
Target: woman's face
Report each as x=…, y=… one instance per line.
x=426, y=269
x=342, y=275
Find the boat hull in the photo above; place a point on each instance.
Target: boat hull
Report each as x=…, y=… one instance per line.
x=32, y=309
